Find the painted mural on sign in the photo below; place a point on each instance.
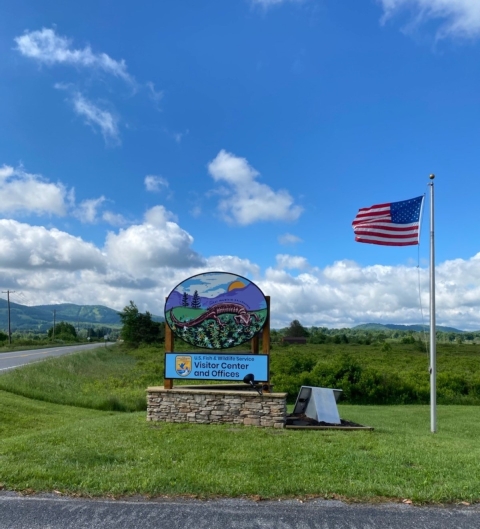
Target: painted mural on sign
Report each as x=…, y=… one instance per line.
x=216, y=310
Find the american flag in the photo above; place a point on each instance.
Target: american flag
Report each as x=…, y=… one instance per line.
x=391, y=224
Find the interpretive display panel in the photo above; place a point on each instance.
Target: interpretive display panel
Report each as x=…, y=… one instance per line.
x=216, y=310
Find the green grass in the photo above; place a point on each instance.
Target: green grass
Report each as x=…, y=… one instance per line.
x=115, y=377
x=106, y=378
x=45, y=447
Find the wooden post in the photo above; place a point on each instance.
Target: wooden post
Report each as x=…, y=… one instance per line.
x=266, y=330
x=254, y=345
x=266, y=343
x=169, y=348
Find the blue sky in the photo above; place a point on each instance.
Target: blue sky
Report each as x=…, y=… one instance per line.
x=145, y=142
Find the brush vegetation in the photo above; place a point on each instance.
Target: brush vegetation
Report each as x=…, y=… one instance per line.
x=380, y=373
x=115, y=377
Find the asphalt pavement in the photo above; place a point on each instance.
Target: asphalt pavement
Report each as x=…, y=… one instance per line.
x=19, y=358
x=59, y=512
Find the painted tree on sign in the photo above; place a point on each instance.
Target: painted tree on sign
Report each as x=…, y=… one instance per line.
x=196, y=300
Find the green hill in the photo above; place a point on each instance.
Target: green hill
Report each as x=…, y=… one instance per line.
x=40, y=318
x=395, y=327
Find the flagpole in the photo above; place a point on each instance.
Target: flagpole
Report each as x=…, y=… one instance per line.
x=433, y=338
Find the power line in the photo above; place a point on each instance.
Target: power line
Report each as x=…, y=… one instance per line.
x=8, y=306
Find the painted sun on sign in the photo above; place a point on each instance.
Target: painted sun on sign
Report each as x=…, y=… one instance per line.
x=216, y=310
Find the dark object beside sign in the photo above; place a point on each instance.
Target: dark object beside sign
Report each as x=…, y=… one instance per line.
x=294, y=339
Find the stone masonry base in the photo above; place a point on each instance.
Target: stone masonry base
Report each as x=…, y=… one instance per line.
x=216, y=406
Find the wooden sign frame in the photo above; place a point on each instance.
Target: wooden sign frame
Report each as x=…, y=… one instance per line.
x=254, y=346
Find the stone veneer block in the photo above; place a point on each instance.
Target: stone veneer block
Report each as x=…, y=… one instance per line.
x=203, y=406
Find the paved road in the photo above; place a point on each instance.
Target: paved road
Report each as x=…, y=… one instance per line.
x=20, y=358
x=35, y=512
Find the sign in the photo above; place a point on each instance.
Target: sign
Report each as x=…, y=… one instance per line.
x=216, y=310
x=206, y=366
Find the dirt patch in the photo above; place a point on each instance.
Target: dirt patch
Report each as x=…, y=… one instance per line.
x=302, y=421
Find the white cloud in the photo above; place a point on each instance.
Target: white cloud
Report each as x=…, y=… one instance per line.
x=288, y=238
x=234, y=264
x=21, y=192
x=6, y=172
x=346, y=294
x=458, y=18
x=158, y=242
x=155, y=183
x=196, y=211
x=155, y=95
x=270, y=3
x=46, y=47
x=245, y=200
x=290, y=262
x=114, y=219
x=25, y=247
x=87, y=211
x=178, y=136
x=145, y=261
x=159, y=216
x=96, y=117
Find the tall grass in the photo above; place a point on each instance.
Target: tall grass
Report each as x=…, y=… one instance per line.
x=110, y=378
x=373, y=374
x=116, y=377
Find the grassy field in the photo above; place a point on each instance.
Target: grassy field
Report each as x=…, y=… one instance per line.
x=115, y=377
x=75, y=447
x=107, y=378
x=381, y=373
x=46, y=447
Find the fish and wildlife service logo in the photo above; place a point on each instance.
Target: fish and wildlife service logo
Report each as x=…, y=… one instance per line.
x=183, y=365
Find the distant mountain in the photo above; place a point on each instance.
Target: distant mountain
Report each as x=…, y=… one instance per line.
x=249, y=295
x=394, y=327
x=40, y=318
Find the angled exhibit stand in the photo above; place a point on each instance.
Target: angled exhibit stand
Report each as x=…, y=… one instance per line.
x=319, y=404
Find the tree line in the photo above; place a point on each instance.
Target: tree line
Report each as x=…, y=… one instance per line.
x=321, y=335
x=140, y=328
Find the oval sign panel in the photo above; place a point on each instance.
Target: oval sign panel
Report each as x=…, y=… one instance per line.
x=216, y=310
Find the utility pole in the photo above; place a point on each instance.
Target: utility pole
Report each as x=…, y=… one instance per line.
x=8, y=308
x=53, y=334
